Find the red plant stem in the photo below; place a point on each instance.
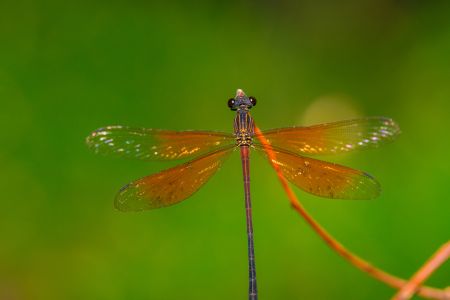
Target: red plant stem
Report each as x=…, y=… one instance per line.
x=410, y=288
x=391, y=280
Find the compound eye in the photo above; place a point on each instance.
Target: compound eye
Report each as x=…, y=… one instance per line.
x=231, y=103
x=252, y=100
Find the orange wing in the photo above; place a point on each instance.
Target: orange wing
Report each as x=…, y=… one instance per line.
x=155, y=144
x=325, y=179
x=337, y=137
x=170, y=186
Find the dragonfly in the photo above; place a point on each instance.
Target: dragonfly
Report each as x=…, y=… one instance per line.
x=294, y=148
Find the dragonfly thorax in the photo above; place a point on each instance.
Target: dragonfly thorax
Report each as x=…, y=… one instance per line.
x=243, y=128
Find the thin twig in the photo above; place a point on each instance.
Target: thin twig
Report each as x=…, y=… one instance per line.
x=410, y=288
x=391, y=280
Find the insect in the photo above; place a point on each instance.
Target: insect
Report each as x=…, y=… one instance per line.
x=293, y=147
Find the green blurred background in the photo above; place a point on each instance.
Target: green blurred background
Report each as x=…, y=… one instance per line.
x=69, y=67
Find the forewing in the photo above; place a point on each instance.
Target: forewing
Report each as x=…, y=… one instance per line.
x=337, y=137
x=170, y=186
x=325, y=179
x=155, y=144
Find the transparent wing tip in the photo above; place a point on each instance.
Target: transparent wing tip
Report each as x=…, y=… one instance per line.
x=127, y=199
x=389, y=126
x=373, y=188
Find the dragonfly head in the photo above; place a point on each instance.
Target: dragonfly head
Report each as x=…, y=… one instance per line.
x=241, y=101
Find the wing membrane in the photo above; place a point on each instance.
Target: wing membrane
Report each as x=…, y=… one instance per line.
x=325, y=179
x=155, y=144
x=170, y=186
x=337, y=137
